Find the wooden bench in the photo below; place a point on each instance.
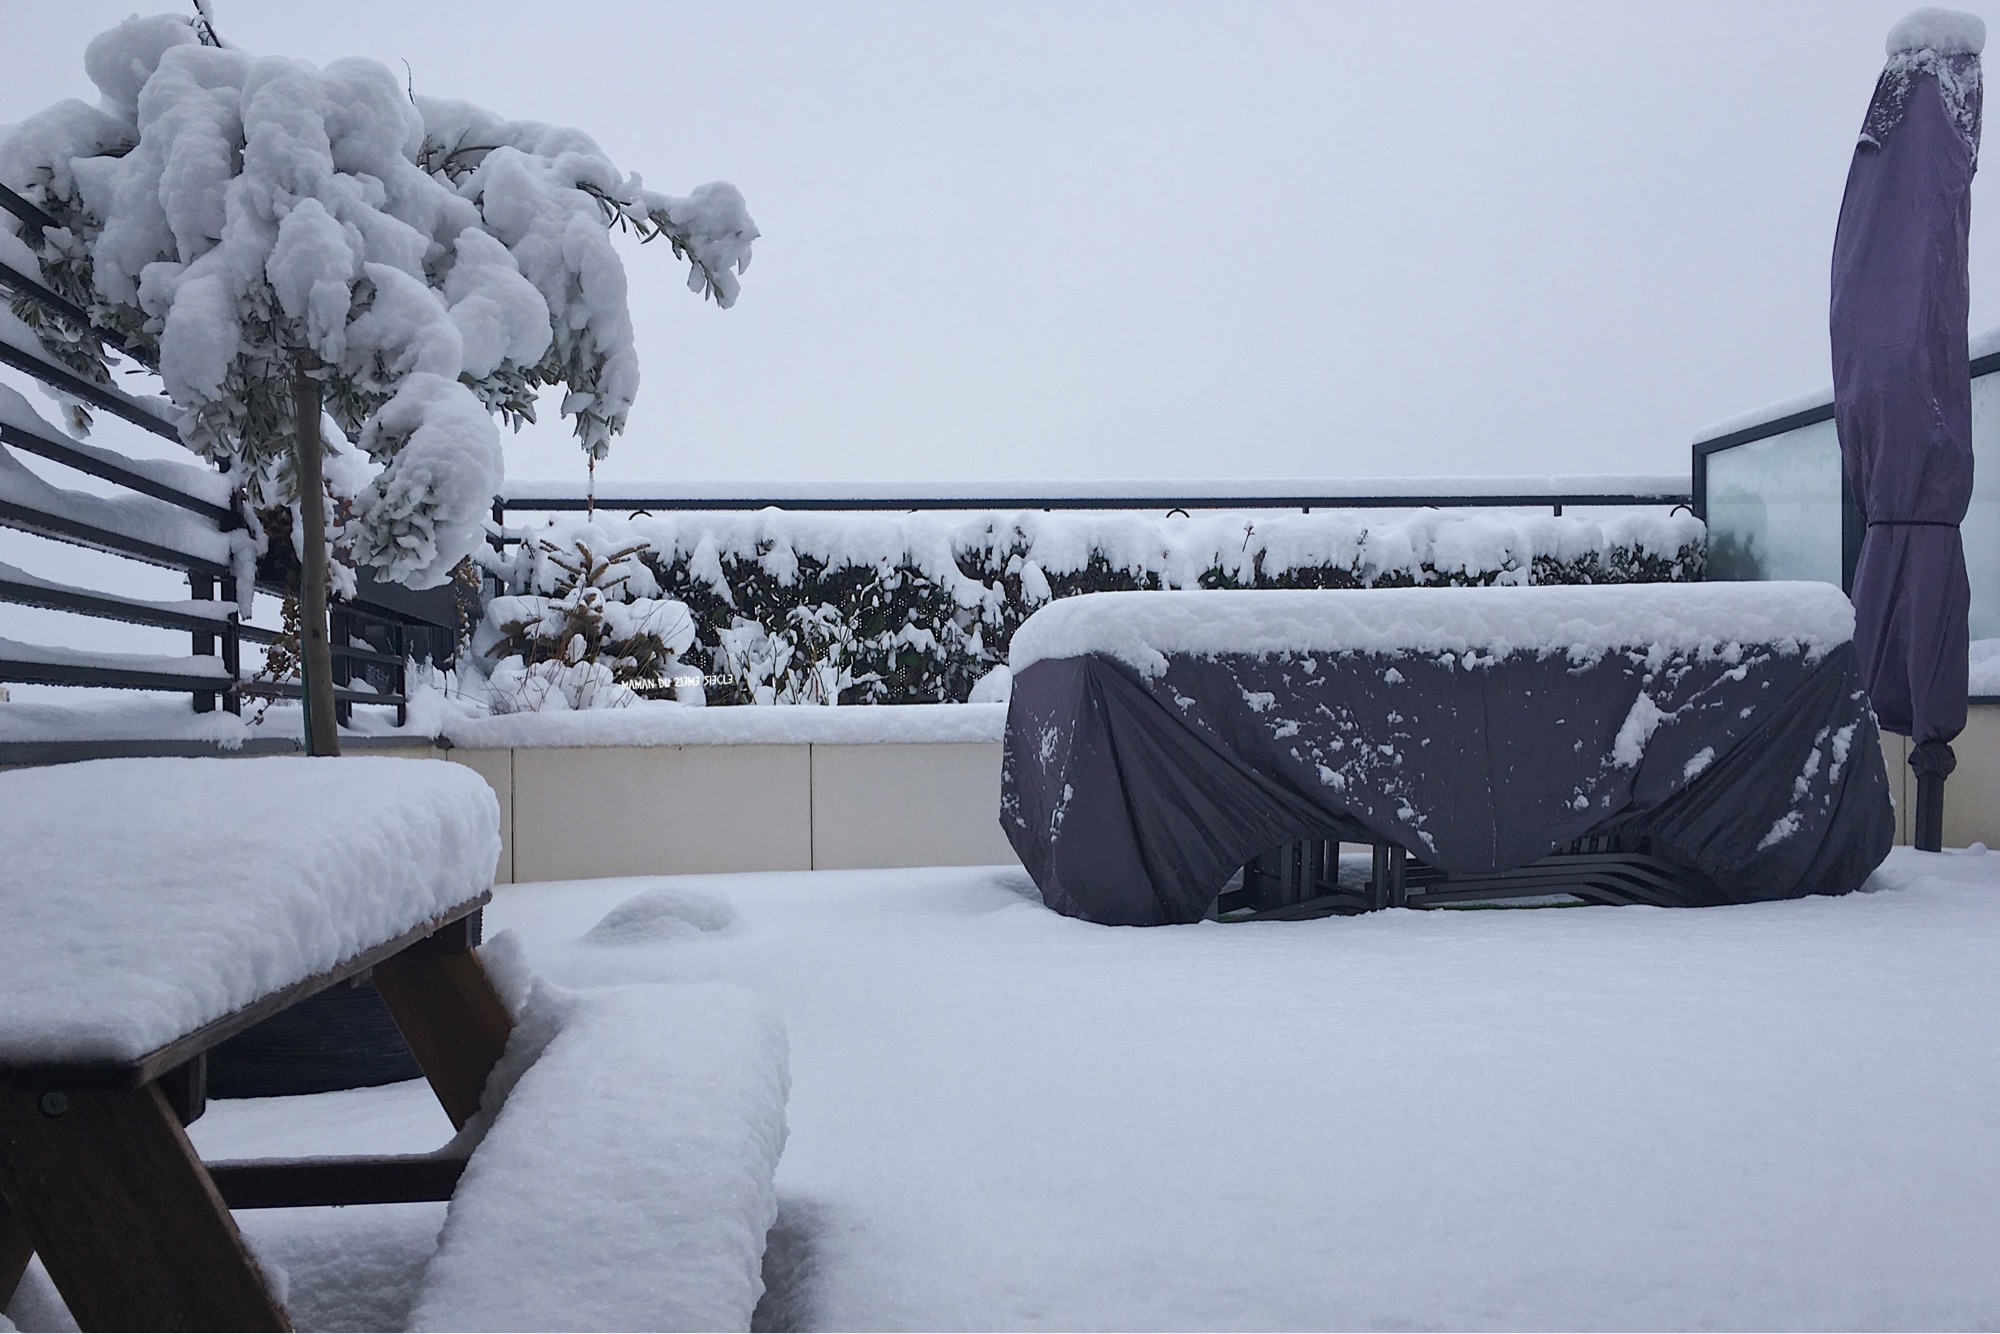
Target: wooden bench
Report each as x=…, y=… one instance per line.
x=627, y=1138
x=627, y=1179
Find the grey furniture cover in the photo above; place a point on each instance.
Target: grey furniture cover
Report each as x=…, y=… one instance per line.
x=1145, y=765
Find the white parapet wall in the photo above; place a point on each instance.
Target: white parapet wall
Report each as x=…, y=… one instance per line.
x=815, y=789
x=746, y=789
x=666, y=792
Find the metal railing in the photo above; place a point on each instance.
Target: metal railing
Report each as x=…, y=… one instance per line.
x=1305, y=495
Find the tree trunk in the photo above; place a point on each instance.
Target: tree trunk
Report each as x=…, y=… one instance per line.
x=315, y=650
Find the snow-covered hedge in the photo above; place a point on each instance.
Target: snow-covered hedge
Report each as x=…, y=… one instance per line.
x=905, y=609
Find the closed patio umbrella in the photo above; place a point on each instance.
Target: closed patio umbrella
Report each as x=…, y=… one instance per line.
x=1902, y=388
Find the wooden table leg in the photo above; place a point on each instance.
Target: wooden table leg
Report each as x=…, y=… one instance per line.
x=15, y=1252
x=115, y=1200
x=441, y=998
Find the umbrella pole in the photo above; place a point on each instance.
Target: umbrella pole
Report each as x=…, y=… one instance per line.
x=1930, y=813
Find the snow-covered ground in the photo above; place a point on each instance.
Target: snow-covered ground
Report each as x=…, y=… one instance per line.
x=1770, y=1116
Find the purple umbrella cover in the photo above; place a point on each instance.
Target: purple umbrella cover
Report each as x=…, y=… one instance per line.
x=1902, y=388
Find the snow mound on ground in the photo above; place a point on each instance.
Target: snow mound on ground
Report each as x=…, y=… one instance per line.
x=1949, y=32
x=144, y=898
x=627, y=1182
x=996, y=687
x=1140, y=629
x=662, y=914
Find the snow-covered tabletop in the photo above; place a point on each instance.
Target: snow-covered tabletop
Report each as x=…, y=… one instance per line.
x=144, y=898
x=1140, y=629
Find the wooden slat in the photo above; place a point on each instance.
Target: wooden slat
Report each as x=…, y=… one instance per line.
x=444, y=1003
x=288, y=1183
x=185, y=1088
x=110, y=1192
x=131, y=1074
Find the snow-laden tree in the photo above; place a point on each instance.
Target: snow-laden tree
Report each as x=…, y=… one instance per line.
x=282, y=241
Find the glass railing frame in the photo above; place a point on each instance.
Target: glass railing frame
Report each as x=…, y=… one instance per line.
x=1852, y=524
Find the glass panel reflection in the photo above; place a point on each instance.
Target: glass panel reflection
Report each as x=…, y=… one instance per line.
x=1981, y=529
x=1774, y=507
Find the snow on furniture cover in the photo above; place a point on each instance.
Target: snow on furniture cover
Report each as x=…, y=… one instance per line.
x=142, y=899
x=1158, y=741
x=627, y=1181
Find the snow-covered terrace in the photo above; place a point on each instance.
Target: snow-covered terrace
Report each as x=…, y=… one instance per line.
x=1749, y=1117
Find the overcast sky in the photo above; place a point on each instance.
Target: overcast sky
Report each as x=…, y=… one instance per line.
x=1175, y=241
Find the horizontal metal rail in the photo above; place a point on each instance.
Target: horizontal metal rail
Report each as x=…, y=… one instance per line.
x=113, y=401
x=193, y=680
x=78, y=533
x=1248, y=501
x=21, y=284
x=26, y=590
x=291, y=690
x=47, y=298
x=24, y=210
x=101, y=463
x=361, y=653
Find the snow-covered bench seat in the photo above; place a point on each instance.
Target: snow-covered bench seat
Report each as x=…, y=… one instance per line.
x=150, y=909
x=626, y=1182
x=1715, y=733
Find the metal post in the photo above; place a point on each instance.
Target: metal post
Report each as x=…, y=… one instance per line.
x=232, y=651
x=341, y=630
x=1930, y=813
x=399, y=635
x=201, y=587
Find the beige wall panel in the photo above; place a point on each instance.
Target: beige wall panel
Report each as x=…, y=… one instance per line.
x=907, y=805
x=1896, y=759
x=497, y=768
x=1972, y=793
x=660, y=810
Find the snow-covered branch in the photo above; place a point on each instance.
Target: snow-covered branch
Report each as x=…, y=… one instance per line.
x=239, y=220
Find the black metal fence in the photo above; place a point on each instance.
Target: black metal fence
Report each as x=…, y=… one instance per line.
x=1553, y=493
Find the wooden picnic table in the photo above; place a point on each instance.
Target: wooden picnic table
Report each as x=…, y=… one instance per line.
x=97, y=1174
